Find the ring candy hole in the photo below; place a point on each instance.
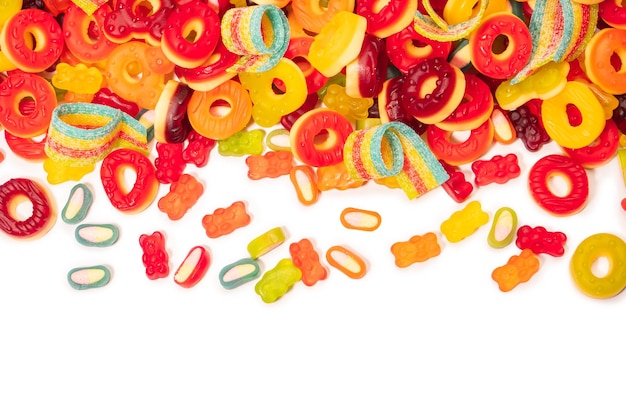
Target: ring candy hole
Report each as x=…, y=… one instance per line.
x=220, y=108
x=559, y=185
x=601, y=267
x=21, y=208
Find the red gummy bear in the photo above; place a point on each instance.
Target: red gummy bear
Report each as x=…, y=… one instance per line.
x=539, y=240
x=154, y=258
x=499, y=169
x=169, y=163
x=456, y=186
x=198, y=149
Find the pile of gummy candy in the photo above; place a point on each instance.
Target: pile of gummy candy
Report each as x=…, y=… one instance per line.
x=360, y=90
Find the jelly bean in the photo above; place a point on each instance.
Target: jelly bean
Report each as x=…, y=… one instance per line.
x=224, y=221
x=182, y=196
x=84, y=36
x=503, y=229
x=591, y=249
x=79, y=78
x=346, y=261
x=416, y=249
x=77, y=205
x=277, y=281
x=84, y=278
x=572, y=172
x=304, y=180
x=539, y=240
x=266, y=242
x=193, y=268
x=238, y=273
x=499, y=169
x=144, y=189
x=198, y=149
x=555, y=115
x=456, y=186
x=518, y=269
x=171, y=122
x=210, y=120
x=269, y=165
x=269, y=106
x=463, y=223
x=352, y=108
x=458, y=153
x=306, y=259
x=389, y=19
x=338, y=43
x=242, y=143
x=605, y=44
x=336, y=177
x=43, y=213
x=169, y=164
x=307, y=132
x=359, y=219
x=154, y=255
x=96, y=235
x=127, y=22
x=600, y=151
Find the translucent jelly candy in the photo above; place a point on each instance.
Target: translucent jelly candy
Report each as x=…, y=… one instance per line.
x=193, y=268
x=183, y=194
x=499, y=169
x=266, y=242
x=277, y=281
x=78, y=204
x=519, y=268
x=539, y=240
x=464, y=223
x=226, y=220
x=456, y=186
x=40, y=220
x=97, y=235
x=197, y=149
x=306, y=259
x=238, y=273
x=503, y=228
x=416, y=249
x=242, y=143
x=359, y=219
x=269, y=165
x=169, y=164
x=155, y=258
x=346, y=261
x=353, y=108
x=84, y=278
x=304, y=181
x=336, y=177
x=79, y=78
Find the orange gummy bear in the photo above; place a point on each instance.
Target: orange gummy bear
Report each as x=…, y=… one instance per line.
x=225, y=220
x=272, y=164
x=519, y=268
x=306, y=259
x=183, y=194
x=416, y=249
x=336, y=176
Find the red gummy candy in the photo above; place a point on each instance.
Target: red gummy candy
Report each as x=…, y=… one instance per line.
x=539, y=240
x=154, y=258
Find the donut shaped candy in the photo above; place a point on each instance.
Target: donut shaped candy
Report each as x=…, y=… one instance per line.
x=191, y=34
x=207, y=120
x=132, y=20
x=171, y=124
x=212, y=72
x=390, y=105
x=306, y=132
x=459, y=153
x=366, y=74
x=24, y=87
x=391, y=18
x=605, y=45
x=47, y=35
x=517, y=46
x=312, y=16
x=594, y=247
x=432, y=90
x=474, y=110
x=143, y=191
x=613, y=12
x=83, y=34
x=43, y=216
x=297, y=51
x=566, y=167
x=408, y=48
x=600, y=151
x=26, y=148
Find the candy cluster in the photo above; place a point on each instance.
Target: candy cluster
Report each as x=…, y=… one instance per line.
x=359, y=92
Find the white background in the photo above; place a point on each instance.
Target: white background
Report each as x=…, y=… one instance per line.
x=436, y=338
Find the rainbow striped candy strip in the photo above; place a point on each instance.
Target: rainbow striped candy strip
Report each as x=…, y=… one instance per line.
x=260, y=34
x=393, y=150
x=89, y=6
x=81, y=134
x=435, y=28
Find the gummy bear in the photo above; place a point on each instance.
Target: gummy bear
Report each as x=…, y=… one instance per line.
x=306, y=259
x=183, y=194
x=519, y=268
x=225, y=220
x=269, y=165
x=464, y=222
x=154, y=258
x=416, y=249
x=353, y=108
x=277, y=281
x=242, y=143
x=539, y=240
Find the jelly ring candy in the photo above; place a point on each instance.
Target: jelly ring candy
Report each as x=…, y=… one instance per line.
x=434, y=104
x=391, y=18
x=600, y=151
x=338, y=43
x=307, y=128
x=346, y=261
x=193, y=268
x=459, y=153
x=143, y=191
x=604, y=45
x=77, y=205
x=128, y=21
x=129, y=74
x=191, y=34
x=39, y=221
x=27, y=148
x=304, y=181
x=474, y=109
x=613, y=13
x=171, y=124
x=408, y=48
x=212, y=72
x=366, y=74
x=503, y=228
x=312, y=16
x=298, y=51
x=19, y=87
x=84, y=278
x=47, y=35
x=516, y=53
x=266, y=242
x=390, y=106
x=238, y=273
x=574, y=173
x=594, y=247
x=88, y=45
x=260, y=34
x=220, y=122
x=359, y=219
x=556, y=119
x=269, y=106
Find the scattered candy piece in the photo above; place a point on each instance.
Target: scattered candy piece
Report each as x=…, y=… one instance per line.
x=42, y=216
x=77, y=205
x=193, y=268
x=97, y=235
x=464, y=223
x=225, y=220
x=359, y=219
x=272, y=164
x=85, y=278
x=266, y=242
x=304, y=181
x=238, y=273
x=154, y=257
x=306, y=259
x=539, y=240
x=519, y=268
x=182, y=196
x=277, y=281
x=416, y=249
x=503, y=228
x=499, y=169
x=346, y=261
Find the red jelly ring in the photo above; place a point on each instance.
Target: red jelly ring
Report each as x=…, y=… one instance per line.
x=366, y=74
x=146, y=185
x=212, y=73
x=600, y=151
x=20, y=87
x=130, y=21
x=391, y=18
x=574, y=173
x=297, y=51
x=83, y=34
x=517, y=49
x=390, y=107
x=42, y=216
x=191, y=18
x=310, y=151
x=474, y=110
x=613, y=12
x=47, y=35
x=26, y=148
x=476, y=145
x=432, y=105
x=408, y=48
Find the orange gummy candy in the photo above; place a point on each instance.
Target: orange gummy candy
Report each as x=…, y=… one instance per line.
x=183, y=194
x=306, y=259
x=336, y=176
x=416, y=249
x=519, y=268
x=272, y=164
x=225, y=220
